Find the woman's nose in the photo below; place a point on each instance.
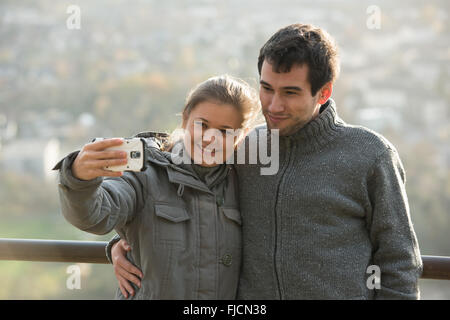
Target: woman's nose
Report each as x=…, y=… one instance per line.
x=208, y=139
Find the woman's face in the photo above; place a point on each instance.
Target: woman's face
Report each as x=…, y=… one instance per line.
x=206, y=133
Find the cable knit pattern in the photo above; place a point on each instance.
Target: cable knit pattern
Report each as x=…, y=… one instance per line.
x=336, y=206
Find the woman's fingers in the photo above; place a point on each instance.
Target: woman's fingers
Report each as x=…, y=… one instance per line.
x=92, y=159
x=107, y=154
x=94, y=173
x=89, y=173
x=103, y=144
x=99, y=164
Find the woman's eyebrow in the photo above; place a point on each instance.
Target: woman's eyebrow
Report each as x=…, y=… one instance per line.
x=204, y=120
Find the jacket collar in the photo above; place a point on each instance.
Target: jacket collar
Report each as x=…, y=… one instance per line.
x=319, y=131
x=180, y=170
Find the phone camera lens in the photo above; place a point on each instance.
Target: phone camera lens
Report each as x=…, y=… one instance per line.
x=135, y=154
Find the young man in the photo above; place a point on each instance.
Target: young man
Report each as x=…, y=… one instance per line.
x=337, y=209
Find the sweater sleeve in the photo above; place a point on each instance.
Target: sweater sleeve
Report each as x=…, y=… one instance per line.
x=109, y=246
x=395, y=247
x=101, y=204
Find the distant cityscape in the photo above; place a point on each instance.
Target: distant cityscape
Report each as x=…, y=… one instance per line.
x=131, y=64
x=395, y=77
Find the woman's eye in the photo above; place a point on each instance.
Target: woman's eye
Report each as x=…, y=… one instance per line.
x=200, y=123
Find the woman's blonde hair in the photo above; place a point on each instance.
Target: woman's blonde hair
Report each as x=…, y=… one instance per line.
x=224, y=90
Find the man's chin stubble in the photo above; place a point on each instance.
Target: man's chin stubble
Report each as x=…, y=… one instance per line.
x=289, y=130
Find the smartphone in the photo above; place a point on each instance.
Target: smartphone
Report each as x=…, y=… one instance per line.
x=136, y=154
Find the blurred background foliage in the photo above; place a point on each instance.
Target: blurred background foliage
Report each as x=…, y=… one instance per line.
x=132, y=63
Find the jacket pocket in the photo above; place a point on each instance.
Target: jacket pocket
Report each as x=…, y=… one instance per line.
x=231, y=227
x=230, y=255
x=170, y=224
x=233, y=214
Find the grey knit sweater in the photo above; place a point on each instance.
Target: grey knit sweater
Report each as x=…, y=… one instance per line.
x=336, y=206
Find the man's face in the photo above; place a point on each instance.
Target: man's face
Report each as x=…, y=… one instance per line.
x=287, y=103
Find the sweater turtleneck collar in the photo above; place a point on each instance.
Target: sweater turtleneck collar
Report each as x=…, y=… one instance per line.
x=319, y=131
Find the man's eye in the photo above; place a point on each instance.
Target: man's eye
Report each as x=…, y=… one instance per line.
x=267, y=89
x=290, y=93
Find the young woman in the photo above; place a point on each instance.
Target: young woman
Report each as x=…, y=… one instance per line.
x=180, y=218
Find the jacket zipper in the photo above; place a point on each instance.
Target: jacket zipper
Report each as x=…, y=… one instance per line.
x=287, y=161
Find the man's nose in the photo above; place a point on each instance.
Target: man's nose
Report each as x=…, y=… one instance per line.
x=276, y=105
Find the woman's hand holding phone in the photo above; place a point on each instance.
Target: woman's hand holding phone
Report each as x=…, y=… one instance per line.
x=93, y=158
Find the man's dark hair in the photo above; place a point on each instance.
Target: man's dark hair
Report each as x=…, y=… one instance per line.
x=299, y=44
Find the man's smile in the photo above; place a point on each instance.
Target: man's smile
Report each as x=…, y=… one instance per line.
x=277, y=118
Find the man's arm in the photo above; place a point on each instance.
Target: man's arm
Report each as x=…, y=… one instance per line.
x=125, y=272
x=395, y=247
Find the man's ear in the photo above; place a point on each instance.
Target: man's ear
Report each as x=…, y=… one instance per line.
x=325, y=93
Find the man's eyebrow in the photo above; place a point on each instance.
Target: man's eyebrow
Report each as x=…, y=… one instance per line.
x=293, y=88
x=262, y=82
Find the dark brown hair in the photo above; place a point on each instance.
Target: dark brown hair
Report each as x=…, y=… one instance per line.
x=299, y=44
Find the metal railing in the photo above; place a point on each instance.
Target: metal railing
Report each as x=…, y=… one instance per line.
x=434, y=267
x=53, y=250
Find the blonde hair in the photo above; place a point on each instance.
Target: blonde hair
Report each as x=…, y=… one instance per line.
x=224, y=90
